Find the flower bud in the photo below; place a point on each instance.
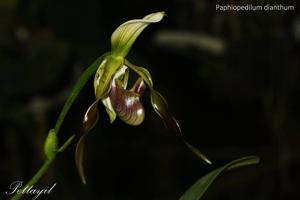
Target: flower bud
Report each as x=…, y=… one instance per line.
x=50, y=146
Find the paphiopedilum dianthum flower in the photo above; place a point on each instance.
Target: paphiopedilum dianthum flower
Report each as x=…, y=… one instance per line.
x=110, y=86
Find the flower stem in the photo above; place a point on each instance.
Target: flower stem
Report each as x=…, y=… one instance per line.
x=44, y=168
x=87, y=74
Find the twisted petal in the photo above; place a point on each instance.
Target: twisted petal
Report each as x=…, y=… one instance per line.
x=90, y=119
x=161, y=108
x=125, y=35
x=127, y=103
x=108, y=69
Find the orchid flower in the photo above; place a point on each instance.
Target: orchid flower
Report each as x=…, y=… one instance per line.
x=110, y=87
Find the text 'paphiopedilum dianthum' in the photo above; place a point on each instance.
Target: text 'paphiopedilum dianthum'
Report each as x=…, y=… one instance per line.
x=110, y=85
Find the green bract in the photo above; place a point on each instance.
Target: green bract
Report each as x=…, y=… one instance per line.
x=110, y=87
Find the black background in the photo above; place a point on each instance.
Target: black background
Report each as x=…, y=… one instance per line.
x=238, y=101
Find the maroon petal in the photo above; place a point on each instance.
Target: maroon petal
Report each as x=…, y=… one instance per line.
x=139, y=87
x=127, y=103
x=90, y=119
x=161, y=108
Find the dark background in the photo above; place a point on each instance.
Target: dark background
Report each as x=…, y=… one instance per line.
x=230, y=78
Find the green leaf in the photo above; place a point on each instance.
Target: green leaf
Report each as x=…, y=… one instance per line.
x=197, y=190
x=125, y=35
x=51, y=143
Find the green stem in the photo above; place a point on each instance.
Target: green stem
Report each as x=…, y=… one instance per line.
x=66, y=144
x=36, y=177
x=76, y=90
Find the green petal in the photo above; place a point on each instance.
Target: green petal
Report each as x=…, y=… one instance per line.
x=124, y=77
x=125, y=35
x=109, y=109
x=197, y=190
x=104, y=75
x=144, y=73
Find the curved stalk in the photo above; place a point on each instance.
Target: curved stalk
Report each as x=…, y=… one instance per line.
x=76, y=90
x=44, y=168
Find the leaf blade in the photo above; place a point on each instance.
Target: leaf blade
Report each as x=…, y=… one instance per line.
x=197, y=190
